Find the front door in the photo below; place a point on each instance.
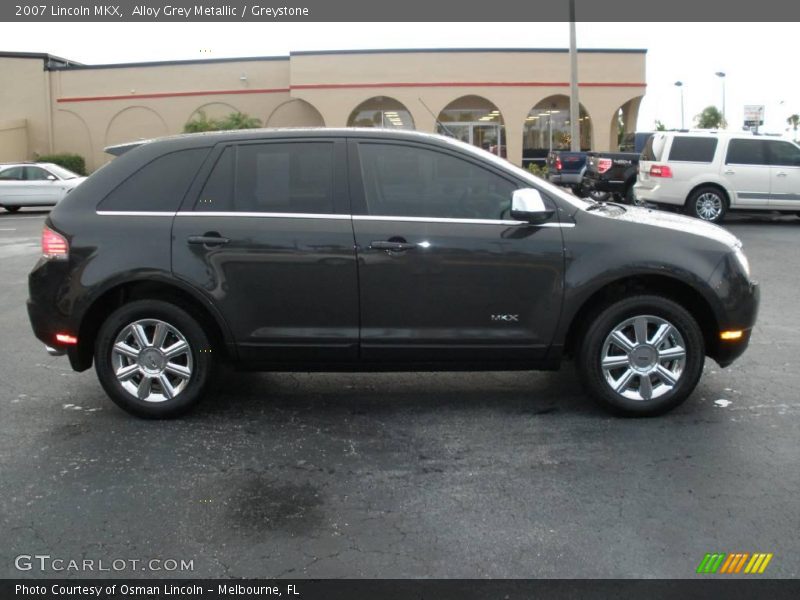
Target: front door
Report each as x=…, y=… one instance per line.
x=785, y=174
x=268, y=237
x=445, y=274
x=746, y=172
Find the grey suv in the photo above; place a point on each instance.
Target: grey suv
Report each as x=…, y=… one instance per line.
x=374, y=250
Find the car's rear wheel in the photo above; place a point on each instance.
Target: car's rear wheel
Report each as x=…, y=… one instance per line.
x=641, y=356
x=12, y=209
x=153, y=359
x=707, y=203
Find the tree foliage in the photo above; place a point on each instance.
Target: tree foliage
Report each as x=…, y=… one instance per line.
x=237, y=120
x=794, y=122
x=710, y=118
x=660, y=126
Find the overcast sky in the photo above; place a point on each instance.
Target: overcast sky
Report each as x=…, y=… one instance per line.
x=759, y=59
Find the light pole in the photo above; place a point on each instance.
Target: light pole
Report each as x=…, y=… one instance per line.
x=721, y=75
x=574, y=106
x=680, y=85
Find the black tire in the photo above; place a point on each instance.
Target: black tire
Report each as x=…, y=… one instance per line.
x=197, y=359
x=12, y=209
x=707, y=203
x=630, y=196
x=592, y=350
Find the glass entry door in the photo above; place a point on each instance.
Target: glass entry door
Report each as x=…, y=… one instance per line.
x=483, y=135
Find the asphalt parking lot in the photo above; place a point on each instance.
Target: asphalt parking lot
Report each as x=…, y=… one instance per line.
x=405, y=475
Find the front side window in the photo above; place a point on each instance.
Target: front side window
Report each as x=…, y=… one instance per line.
x=279, y=177
x=12, y=174
x=747, y=152
x=784, y=154
x=36, y=174
x=692, y=149
x=416, y=182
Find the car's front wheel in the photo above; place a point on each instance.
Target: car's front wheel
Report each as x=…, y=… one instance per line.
x=641, y=356
x=153, y=359
x=707, y=203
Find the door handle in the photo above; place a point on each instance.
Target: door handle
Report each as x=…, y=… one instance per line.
x=209, y=239
x=781, y=174
x=391, y=246
x=729, y=172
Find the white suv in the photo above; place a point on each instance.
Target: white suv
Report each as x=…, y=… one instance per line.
x=709, y=173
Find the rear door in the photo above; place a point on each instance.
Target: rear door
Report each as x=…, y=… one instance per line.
x=12, y=186
x=445, y=273
x=266, y=234
x=746, y=171
x=784, y=158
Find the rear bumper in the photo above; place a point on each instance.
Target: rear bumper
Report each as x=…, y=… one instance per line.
x=604, y=185
x=565, y=178
x=656, y=194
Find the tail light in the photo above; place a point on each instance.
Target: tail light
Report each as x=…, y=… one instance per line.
x=660, y=171
x=559, y=165
x=54, y=245
x=603, y=165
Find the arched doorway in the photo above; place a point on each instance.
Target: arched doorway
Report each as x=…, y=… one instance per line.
x=475, y=120
x=547, y=127
x=295, y=113
x=381, y=111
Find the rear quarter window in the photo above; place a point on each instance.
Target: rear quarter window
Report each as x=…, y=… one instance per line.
x=692, y=149
x=159, y=186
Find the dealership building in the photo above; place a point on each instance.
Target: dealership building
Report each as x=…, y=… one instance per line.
x=511, y=102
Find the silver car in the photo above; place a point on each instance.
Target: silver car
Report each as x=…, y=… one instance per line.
x=34, y=184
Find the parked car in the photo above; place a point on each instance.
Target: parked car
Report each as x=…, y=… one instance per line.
x=566, y=169
x=326, y=249
x=611, y=173
x=34, y=184
x=707, y=174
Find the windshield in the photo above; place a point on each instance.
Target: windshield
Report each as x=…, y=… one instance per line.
x=61, y=172
x=523, y=174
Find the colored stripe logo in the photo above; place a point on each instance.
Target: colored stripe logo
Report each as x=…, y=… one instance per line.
x=735, y=562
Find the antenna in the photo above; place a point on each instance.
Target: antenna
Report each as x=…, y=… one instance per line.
x=438, y=122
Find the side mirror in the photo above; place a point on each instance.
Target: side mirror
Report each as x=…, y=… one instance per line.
x=527, y=204
x=51, y=178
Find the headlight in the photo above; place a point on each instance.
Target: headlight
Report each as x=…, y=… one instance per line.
x=742, y=260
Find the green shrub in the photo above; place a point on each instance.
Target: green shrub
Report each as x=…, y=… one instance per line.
x=538, y=170
x=73, y=162
x=237, y=120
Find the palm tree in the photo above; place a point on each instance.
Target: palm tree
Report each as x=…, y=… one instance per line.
x=710, y=118
x=794, y=121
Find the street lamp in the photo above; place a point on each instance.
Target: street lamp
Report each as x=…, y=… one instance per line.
x=680, y=85
x=721, y=75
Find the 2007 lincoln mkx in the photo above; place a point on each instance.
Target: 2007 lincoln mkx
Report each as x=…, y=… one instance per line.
x=369, y=250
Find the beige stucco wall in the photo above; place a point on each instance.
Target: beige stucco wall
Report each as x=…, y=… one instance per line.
x=85, y=110
x=13, y=140
x=24, y=95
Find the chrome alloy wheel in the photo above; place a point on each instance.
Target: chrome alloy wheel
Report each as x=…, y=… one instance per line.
x=708, y=206
x=152, y=360
x=643, y=357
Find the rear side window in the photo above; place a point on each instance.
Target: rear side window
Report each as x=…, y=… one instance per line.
x=159, y=186
x=692, y=149
x=747, y=152
x=279, y=177
x=784, y=154
x=12, y=174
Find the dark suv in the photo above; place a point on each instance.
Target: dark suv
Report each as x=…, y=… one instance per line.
x=374, y=250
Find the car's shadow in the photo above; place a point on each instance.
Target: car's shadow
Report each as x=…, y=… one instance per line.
x=246, y=396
